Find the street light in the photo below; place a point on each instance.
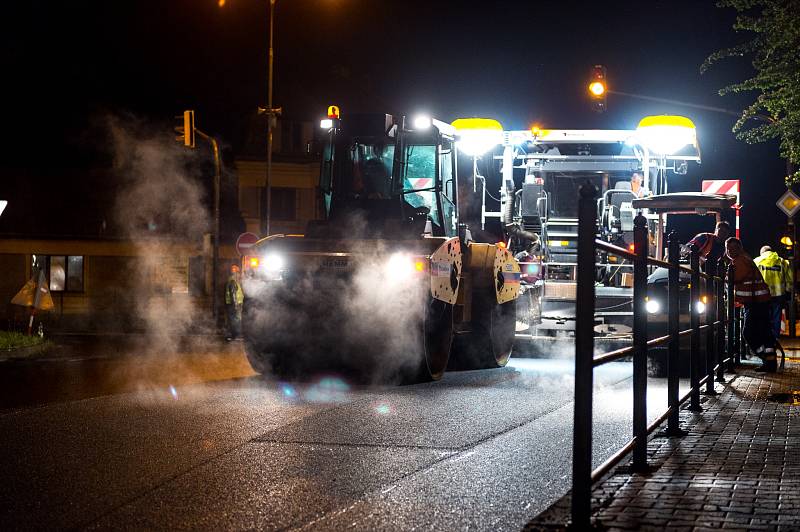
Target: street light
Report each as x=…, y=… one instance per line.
x=271, y=113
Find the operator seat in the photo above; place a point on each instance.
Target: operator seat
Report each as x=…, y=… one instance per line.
x=610, y=205
x=621, y=193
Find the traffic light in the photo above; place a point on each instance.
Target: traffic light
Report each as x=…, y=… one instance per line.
x=185, y=131
x=598, y=88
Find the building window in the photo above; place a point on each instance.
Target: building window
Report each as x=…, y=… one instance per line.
x=284, y=204
x=64, y=273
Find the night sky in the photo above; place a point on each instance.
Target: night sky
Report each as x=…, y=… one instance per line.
x=67, y=64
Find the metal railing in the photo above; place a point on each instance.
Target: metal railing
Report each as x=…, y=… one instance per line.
x=710, y=363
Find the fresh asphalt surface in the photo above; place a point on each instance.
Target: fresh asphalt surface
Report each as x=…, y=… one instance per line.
x=192, y=439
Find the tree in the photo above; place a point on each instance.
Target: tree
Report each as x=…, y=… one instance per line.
x=774, y=49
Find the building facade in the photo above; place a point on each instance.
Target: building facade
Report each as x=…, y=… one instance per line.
x=105, y=279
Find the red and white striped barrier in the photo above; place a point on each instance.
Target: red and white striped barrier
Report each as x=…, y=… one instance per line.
x=725, y=186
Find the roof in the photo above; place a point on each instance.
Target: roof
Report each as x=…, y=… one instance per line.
x=686, y=202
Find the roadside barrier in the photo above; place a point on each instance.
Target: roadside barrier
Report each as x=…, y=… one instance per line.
x=705, y=286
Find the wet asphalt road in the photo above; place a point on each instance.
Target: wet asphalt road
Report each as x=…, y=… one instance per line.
x=126, y=438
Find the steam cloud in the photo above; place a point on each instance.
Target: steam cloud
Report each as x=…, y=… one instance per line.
x=158, y=206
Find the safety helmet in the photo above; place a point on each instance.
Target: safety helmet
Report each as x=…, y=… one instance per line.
x=234, y=269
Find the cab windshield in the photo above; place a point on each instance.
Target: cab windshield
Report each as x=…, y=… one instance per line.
x=367, y=171
x=419, y=179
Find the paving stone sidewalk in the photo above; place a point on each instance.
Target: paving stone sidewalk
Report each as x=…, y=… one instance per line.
x=739, y=467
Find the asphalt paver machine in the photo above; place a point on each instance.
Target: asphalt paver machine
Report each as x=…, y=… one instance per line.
x=389, y=285
x=542, y=171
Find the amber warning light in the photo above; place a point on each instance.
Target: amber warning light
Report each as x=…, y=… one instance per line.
x=597, y=88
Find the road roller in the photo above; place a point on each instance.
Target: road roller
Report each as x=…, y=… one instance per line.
x=389, y=286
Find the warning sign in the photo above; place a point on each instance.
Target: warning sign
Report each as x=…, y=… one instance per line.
x=789, y=203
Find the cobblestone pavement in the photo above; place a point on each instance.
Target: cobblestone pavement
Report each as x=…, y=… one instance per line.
x=738, y=468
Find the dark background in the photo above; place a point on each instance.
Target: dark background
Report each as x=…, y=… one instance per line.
x=67, y=65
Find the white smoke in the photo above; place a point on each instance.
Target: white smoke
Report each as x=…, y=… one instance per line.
x=160, y=208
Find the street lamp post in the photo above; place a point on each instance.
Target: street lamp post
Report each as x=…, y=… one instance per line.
x=271, y=113
x=270, y=116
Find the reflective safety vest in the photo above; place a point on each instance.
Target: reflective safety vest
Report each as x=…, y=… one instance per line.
x=748, y=285
x=776, y=272
x=233, y=292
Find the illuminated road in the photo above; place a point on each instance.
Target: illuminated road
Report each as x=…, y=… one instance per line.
x=486, y=450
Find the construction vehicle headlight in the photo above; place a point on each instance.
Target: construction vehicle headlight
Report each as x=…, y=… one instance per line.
x=700, y=305
x=272, y=263
x=400, y=266
x=652, y=306
x=422, y=122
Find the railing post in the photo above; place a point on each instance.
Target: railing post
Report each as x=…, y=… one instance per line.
x=694, y=324
x=730, y=325
x=640, y=246
x=711, y=317
x=673, y=308
x=744, y=350
x=719, y=301
x=584, y=361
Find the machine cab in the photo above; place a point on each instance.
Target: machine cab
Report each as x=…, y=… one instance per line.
x=392, y=173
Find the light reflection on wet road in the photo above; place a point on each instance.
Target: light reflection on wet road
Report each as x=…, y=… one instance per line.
x=84, y=367
x=135, y=437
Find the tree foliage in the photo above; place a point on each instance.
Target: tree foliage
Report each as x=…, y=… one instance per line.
x=773, y=30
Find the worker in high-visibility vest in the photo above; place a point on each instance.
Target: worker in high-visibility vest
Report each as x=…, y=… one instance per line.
x=752, y=293
x=778, y=275
x=234, y=298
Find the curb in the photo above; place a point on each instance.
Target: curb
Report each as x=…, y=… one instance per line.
x=17, y=353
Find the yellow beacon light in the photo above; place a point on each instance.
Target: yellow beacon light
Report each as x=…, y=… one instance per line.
x=477, y=136
x=330, y=121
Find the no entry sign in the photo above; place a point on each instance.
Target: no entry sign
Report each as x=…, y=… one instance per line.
x=245, y=242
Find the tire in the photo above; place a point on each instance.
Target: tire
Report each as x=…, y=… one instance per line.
x=260, y=361
x=264, y=356
x=490, y=340
x=435, y=343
